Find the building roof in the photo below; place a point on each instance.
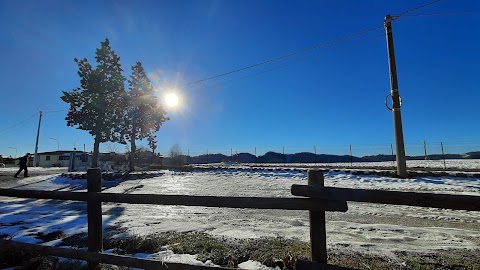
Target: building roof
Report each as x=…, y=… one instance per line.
x=61, y=152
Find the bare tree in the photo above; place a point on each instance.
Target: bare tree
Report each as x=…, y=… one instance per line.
x=112, y=147
x=175, y=155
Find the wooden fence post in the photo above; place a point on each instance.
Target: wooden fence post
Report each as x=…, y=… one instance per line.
x=318, y=236
x=94, y=214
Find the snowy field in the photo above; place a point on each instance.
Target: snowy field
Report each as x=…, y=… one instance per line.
x=450, y=164
x=371, y=228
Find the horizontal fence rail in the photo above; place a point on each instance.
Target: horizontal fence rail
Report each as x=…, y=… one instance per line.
x=128, y=261
x=319, y=199
x=207, y=201
x=446, y=201
x=101, y=257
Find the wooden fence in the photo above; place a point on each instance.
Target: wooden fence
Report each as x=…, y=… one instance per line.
x=316, y=199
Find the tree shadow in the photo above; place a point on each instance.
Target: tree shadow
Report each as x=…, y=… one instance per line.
x=47, y=221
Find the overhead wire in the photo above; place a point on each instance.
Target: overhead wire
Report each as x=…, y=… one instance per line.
x=55, y=111
x=268, y=61
x=415, y=8
x=446, y=13
x=281, y=65
x=287, y=55
x=17, y=124
x=25, y=120
x=271, y=60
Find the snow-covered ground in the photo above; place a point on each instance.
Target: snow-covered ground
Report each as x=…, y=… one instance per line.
x=450, y=164
x=372, y=228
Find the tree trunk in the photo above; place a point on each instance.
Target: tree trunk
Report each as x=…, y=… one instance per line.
x=96, y=146
x=133, y=151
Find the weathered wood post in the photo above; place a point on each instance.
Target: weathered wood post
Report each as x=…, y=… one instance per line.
x=318, y=235
x=94, y=213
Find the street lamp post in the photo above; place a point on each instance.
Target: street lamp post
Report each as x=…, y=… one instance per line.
x=15, y=151
x=58, y=144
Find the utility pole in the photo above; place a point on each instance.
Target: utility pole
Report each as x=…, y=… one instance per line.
x=425, y=149
x=396, y=103
x=443, y=156
x=351, y=157
x=35, y=157
x=16, y=151
x=393, y=156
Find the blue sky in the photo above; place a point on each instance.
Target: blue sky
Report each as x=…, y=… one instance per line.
x=330, y=97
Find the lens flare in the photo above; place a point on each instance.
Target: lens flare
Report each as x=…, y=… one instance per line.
x=171, y=100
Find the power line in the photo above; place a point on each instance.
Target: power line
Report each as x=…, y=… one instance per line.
x=446, y=13
x=288, y=55
x=19, y=123
x=282, y=65
x=56, y=111
x=309, y=48
x=415, y=8
x=23, y=121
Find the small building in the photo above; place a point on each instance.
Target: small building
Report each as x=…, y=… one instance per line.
x=61, y=158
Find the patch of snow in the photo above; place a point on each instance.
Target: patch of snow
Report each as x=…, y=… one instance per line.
x=365, y=227
x=167, y=256
x=254, y=265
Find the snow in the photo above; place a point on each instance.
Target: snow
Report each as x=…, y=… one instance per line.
x=372, y=228
x=460, y=164
x=254, y=265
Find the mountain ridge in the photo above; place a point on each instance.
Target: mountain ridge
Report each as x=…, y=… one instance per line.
x=306, y=157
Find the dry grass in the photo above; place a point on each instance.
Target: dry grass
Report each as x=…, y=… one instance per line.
x=271, y=251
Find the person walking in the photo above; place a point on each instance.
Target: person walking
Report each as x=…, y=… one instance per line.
x=23, y=166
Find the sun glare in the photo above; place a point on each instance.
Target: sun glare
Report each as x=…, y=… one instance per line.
x=171, y=100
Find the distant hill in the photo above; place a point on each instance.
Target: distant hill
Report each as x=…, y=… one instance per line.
x=306, y=157
x=472, y=155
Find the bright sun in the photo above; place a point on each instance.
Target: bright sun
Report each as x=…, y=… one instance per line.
x=171, y=100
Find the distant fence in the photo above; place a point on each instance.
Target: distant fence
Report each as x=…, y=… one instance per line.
x=317, y=200
x=418, y=148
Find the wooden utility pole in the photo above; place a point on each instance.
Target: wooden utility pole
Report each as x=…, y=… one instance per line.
x=351, y=157
x=393, y=155
x=35, y=157
x=396, y=103
x=443, y=156
x=425, y=149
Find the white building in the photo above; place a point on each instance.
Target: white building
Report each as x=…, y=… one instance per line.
x=61, y=158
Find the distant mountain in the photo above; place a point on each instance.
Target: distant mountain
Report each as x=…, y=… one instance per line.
x=306, y=157
x=378, y=158
x=272, y=157
x=437, y=157
x=210, y=158
x=472, y=155
x=245, y=158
